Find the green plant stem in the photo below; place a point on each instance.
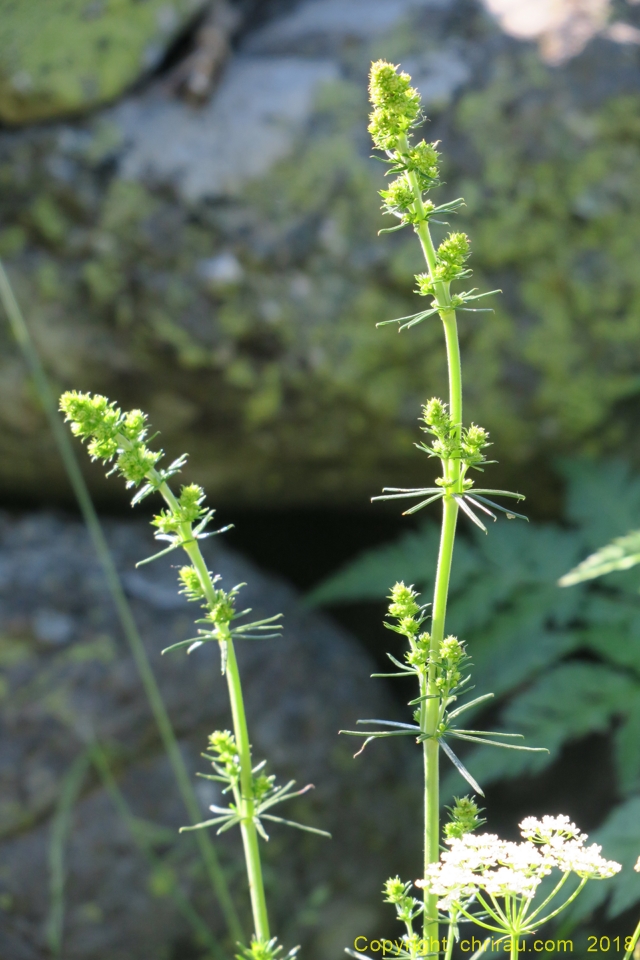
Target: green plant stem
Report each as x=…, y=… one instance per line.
x=60, y=830
x=634, y=940
x=25, y=342
x=450, y=937
x=430, y=708
x=232, y=673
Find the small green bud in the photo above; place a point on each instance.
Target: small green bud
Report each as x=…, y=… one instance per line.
x=474, y=441
x=223, y=610
x=419, y=657
x=454, y=250
x=451, y=650
x=262, y=784
x=191, y=586
x=398, y=198
x=423, y=159
x=263, y=950
x=133, y=425
x=395, y=890
x=435, y=414
x=222, y=744
x=464, y=818
x=103, y=449
x=403, y=601
x=191, y=498
x=409, y=626
x=136, y=463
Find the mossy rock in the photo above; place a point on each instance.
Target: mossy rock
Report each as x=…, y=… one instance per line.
x=246, y=325
x=65, y=56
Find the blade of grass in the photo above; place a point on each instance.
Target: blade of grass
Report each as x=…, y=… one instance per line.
x=60, y=830
x=193, y=918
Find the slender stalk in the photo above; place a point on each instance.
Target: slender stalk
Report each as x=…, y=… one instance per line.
x=555, y=913
x=430, y=709
x=450, y=937
x=234, y=685
x=23, y=337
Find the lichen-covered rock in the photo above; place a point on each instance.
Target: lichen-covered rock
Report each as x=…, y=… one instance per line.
x=65, y=56
x=229, y=280
x=69, y=680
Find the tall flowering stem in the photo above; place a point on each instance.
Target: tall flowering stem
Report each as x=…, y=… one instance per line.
x=396, y=112
x=480, y=879
x=122, y=437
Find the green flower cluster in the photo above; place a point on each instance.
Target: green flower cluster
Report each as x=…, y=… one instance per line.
x=450, y=444
x=410, y=617
x=396, y=110
x=452, y=656
x=408, y=613
x=451, y=256
x=397, y=892
x=111, y=433
x=396, y=105
x=189, y=509
x=225, y=759
x=464, y=817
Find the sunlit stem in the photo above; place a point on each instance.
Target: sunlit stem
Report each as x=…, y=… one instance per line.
x=247, y=804
x=429, y=713
x=450, y=935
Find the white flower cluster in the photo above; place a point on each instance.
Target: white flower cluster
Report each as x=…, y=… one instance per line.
x=501, y=868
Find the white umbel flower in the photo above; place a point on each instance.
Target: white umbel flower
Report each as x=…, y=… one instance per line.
x=483, y=863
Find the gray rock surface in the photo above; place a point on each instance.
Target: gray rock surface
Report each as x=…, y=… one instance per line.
x=251, y=123
x=68, y=676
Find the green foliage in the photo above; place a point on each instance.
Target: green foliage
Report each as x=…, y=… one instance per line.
x=565, y=662
x=621, y=554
